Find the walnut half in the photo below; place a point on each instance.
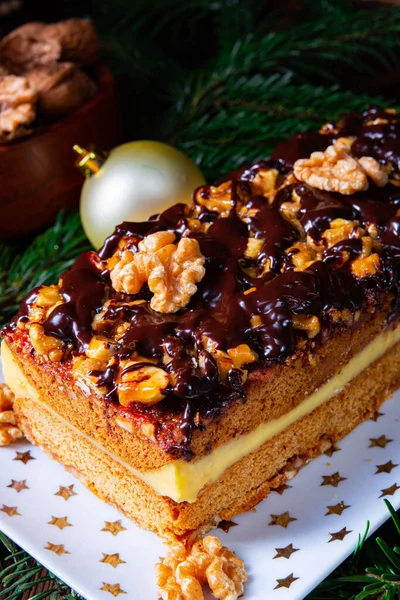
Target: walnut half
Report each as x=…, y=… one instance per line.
x=171, y=270
x=335, y=170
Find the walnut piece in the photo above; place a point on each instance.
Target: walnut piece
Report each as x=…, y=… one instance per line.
x=217, y=199
x=9, y=431
x=181, y=575
x=35, y=44
x=47, y=299
x=61, y=88
x=27, y=48
x=171, y=270
x=264, y=182
x=335, y=170
x=78, y=38
x=234, y=358
x=339, y=230
x=368, y=263
x=33, y=51
x=145, y=384
x=302, y=255
x=50, y=347
x=253, y=248
x=100, y=349
x=311, y=325
x=17, y=106
x=242, y=355
x=366, y=267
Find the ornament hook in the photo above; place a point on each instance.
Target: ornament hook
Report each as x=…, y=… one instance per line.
x=89, y=162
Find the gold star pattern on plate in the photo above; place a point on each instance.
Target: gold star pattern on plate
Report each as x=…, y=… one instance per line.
x=376, y=416
x=114, y=527
x=112, y=559
x=56, y=548
x=283, y=520
x=380, y=442
x=339, y=535
x=18, y=486
x=337, y=509
x=113, y=588
x=59, y=522
x=66, y=492
x=332, y=480
x=386, y=468
x=286, y=583
x=24, y=457
x=390, y=490
x=285, y=552
x=332, y=449
x=11, y=511
x=226, y=525
x=281, y=488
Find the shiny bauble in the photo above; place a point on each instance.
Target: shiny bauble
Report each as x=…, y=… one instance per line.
x=136, y=181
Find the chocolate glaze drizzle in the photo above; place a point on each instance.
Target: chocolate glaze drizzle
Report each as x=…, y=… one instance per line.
x=221, y=311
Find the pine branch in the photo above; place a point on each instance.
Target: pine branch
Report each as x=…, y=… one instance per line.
x=40, y=263
x=326, y=49
x=253, y=115
x=380, y=580
x=21, y=573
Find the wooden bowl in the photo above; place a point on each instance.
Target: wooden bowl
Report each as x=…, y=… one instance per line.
x=37, y=174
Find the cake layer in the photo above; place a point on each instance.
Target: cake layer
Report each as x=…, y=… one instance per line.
x=243, y=484
x=181, y=480
x=271, y=395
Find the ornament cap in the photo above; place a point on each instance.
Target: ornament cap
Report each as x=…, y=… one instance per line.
x=89, y=162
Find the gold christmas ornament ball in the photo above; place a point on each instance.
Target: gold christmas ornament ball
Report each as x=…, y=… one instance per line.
x=137, y=180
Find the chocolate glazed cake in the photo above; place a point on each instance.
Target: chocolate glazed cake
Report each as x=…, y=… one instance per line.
x=201, y=358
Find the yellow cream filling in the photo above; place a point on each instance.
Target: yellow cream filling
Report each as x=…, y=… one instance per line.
x=182, y=481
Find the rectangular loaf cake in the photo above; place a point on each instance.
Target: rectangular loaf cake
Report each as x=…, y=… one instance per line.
x=199, y=359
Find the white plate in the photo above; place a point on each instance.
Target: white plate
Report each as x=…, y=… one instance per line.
x=77, y=553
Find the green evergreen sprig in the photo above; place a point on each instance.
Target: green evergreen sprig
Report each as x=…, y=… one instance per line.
x=41, y=262
x=253, y=115
x=381, y=580
x=21, y=573
x=149, y=46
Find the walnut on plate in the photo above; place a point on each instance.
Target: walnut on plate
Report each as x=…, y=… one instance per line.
x=171, y=270
x=9, y=431
x=335, y=170
x=183, y=572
